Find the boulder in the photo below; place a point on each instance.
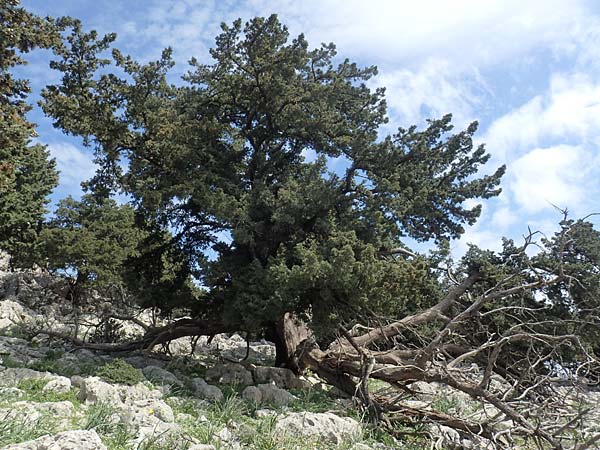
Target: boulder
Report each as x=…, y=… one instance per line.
x=7, y=393
x=206, y=391
x=252, y=394
x=274, y=395
x=230, y=373
x=60, y=385
x=18, y=350
x=12, y=376
x=326, y=426
x=13, y=313
x=159, y=375
x=152, y=421
x=146, y=413
x=94, y=390
x=136, y=392
x=68, y=440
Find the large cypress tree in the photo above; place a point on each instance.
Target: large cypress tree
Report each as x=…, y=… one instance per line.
x=222, y=160
x=27, y=174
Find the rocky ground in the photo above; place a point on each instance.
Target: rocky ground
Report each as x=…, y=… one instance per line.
x=54, y=396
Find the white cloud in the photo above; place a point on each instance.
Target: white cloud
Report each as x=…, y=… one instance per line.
x=568, y=111
x=432, y=90
x=74, y=165
x=546, y=176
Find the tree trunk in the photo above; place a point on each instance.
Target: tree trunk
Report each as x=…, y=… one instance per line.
x=287, y=333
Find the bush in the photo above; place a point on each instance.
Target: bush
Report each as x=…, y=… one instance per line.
x=119, y=371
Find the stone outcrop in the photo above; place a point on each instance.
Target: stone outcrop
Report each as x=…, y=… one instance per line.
x=68, y=440
x=325, y=426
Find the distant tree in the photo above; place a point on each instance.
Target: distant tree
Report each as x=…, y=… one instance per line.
x=27, y=174
x=90, y=240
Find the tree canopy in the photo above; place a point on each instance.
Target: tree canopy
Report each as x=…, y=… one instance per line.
x=237, y=159
x=27, y=174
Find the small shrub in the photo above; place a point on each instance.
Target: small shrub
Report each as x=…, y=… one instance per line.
x=119, y=371
x=9, y=362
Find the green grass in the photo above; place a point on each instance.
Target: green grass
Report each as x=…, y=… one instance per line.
x=445, y=403
x=16, y=428
x=34, y=393
x=313, y=400
x=99, y=417
x=10, y=363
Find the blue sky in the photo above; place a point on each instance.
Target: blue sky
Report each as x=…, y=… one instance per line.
x=529, y=72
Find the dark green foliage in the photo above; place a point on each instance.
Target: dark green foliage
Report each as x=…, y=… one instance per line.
x=159, y=276
x=91, y=240
x=27, y=174
x=119, y=371
x=222, y=160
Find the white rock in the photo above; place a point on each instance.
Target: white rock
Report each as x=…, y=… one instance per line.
x=11, y=392
x=206, y=391
x=445, y=437
x=274, y=395
x=225, y=435
x=68, y=440
x=94, y=390
x=13, y=313
x=425, y=390
x=184, y=417
x=201, y=447
x=60, y=385
x=160, y=434
x=146, y=412
x=326, y=426
x=136, y=392
x=262, y=413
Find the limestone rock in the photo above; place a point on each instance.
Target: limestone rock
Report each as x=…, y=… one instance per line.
x=10, y=393
x=146, y=413
x=13, y=313
x=159, y=375
x=68, y=440
x=206, y=391
x=326, y=426
x=12, y=376
x=230, y=373
x=94, y=390
x=60, y=385
x=63, y=411
x=19, y=350
x=253, y=394
x=274, y=395
x=136, y=392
